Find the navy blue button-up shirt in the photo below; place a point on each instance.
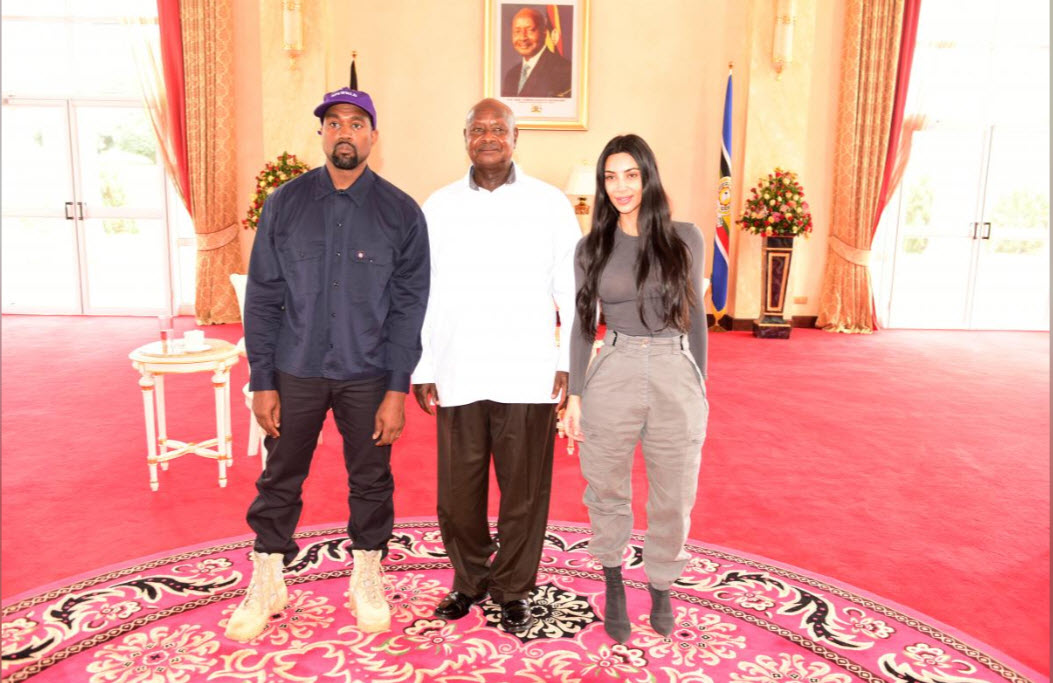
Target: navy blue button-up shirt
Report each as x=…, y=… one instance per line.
x=338, y=282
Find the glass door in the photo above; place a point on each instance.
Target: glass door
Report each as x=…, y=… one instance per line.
x=964, y=243
x=90, y=225
x=971, y=232
x=40, y=241
x=124, y=245
x=1011, y=286
x=84, y=207
x=937, y=208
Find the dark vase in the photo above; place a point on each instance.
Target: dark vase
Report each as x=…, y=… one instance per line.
x=777, y=253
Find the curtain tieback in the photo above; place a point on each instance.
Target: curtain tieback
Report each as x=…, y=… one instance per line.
x=859, y=257
x=209, y=241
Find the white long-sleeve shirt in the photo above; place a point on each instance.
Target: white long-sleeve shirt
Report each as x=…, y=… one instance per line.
x=501, y=262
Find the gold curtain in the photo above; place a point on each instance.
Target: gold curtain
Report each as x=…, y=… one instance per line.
x=208, y=62
x=869, y=60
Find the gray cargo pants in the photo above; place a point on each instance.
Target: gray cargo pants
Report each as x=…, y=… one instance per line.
x=649, y=390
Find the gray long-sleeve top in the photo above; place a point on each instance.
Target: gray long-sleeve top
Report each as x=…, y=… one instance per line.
x=617, y=292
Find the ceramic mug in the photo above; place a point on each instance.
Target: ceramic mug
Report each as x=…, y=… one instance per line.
x=194, y=339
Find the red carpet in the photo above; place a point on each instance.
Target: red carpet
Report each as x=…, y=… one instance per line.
x=914, y=465
x=737, y=619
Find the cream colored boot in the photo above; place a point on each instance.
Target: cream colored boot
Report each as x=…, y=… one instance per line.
x=368, y=601
x=267, y=595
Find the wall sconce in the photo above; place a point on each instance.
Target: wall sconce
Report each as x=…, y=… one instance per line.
x=782, y=44
x=292, y=29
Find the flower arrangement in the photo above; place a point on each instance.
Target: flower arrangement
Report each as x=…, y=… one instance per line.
x=776, y=207
x=272, y=175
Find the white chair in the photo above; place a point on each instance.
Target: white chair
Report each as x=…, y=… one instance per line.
x=256, y=433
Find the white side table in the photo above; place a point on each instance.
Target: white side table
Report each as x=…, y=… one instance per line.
x=215, y=356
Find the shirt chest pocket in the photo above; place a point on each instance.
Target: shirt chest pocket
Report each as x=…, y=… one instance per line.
x=369, y=269
x=302, y=267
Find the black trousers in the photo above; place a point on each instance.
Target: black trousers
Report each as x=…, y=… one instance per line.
x=304, y=404
x=520, y=436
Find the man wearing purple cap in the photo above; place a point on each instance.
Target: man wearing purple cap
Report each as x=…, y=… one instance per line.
x=337, y=288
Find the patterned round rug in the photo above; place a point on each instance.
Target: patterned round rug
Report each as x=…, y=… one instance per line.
x=738, y=619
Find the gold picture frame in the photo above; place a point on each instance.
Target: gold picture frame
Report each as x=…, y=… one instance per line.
x=550, y=42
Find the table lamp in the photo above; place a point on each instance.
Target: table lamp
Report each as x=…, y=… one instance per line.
x=582, y=184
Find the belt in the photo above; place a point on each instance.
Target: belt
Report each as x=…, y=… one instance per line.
x=677, y=342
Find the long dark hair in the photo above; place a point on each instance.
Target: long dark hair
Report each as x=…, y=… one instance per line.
x=660, y=246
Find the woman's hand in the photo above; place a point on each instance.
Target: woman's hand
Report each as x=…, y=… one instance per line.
x=572, y=419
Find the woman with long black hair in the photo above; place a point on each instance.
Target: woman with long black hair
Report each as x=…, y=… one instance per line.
x=647, y=383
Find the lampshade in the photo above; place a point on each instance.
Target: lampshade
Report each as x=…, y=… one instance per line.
x=582, y=180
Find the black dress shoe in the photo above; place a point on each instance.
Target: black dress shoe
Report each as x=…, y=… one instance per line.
x=516, y=616
x=456, y=604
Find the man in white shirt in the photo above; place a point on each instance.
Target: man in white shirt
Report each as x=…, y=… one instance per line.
x=502, y=249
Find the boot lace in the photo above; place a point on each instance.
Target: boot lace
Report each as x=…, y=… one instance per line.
x=258, y=592
x=370, y=582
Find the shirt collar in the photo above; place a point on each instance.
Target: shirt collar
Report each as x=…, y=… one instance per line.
x=357, y=191
x=532, y=62
x=475, y=186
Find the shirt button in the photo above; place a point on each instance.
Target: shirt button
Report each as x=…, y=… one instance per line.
x=335, y=283
x=338, y=253
x=339, y=225
x=330, y=346
x=360, y=254
x=332, y=315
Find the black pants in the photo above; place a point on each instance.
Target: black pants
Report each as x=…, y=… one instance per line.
x=304, y=404
x=521, y=437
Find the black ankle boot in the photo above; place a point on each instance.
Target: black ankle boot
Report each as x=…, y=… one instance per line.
x=661, y=611
x=615, y=618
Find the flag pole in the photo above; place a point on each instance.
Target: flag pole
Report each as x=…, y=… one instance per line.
x=718, y=290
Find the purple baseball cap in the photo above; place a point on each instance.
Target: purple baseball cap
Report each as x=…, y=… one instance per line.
x=360, y=99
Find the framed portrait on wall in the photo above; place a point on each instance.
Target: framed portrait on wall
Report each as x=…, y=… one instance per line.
x=537, y=59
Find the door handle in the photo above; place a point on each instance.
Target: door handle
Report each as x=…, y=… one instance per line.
x=987, y=230
x=976, y=229
x=69, y=209
x=80, y=210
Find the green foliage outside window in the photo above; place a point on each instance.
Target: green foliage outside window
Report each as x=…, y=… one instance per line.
x=1021, y=209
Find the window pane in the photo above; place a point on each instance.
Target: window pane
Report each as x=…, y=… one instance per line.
x=112, y=8
x=125, y=262
x=118, y=159
x=37, y=8
x=187, y=276
x=179, y=222
x=63, y=57
x=103, y=60
x=35, y=174
x=36, y=57
x=39, y=271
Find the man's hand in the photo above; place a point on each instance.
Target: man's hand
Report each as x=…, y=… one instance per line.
x=267, y=408
x=427, y=397
x=390, y=418
x=559, y=389
x=572, y=420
